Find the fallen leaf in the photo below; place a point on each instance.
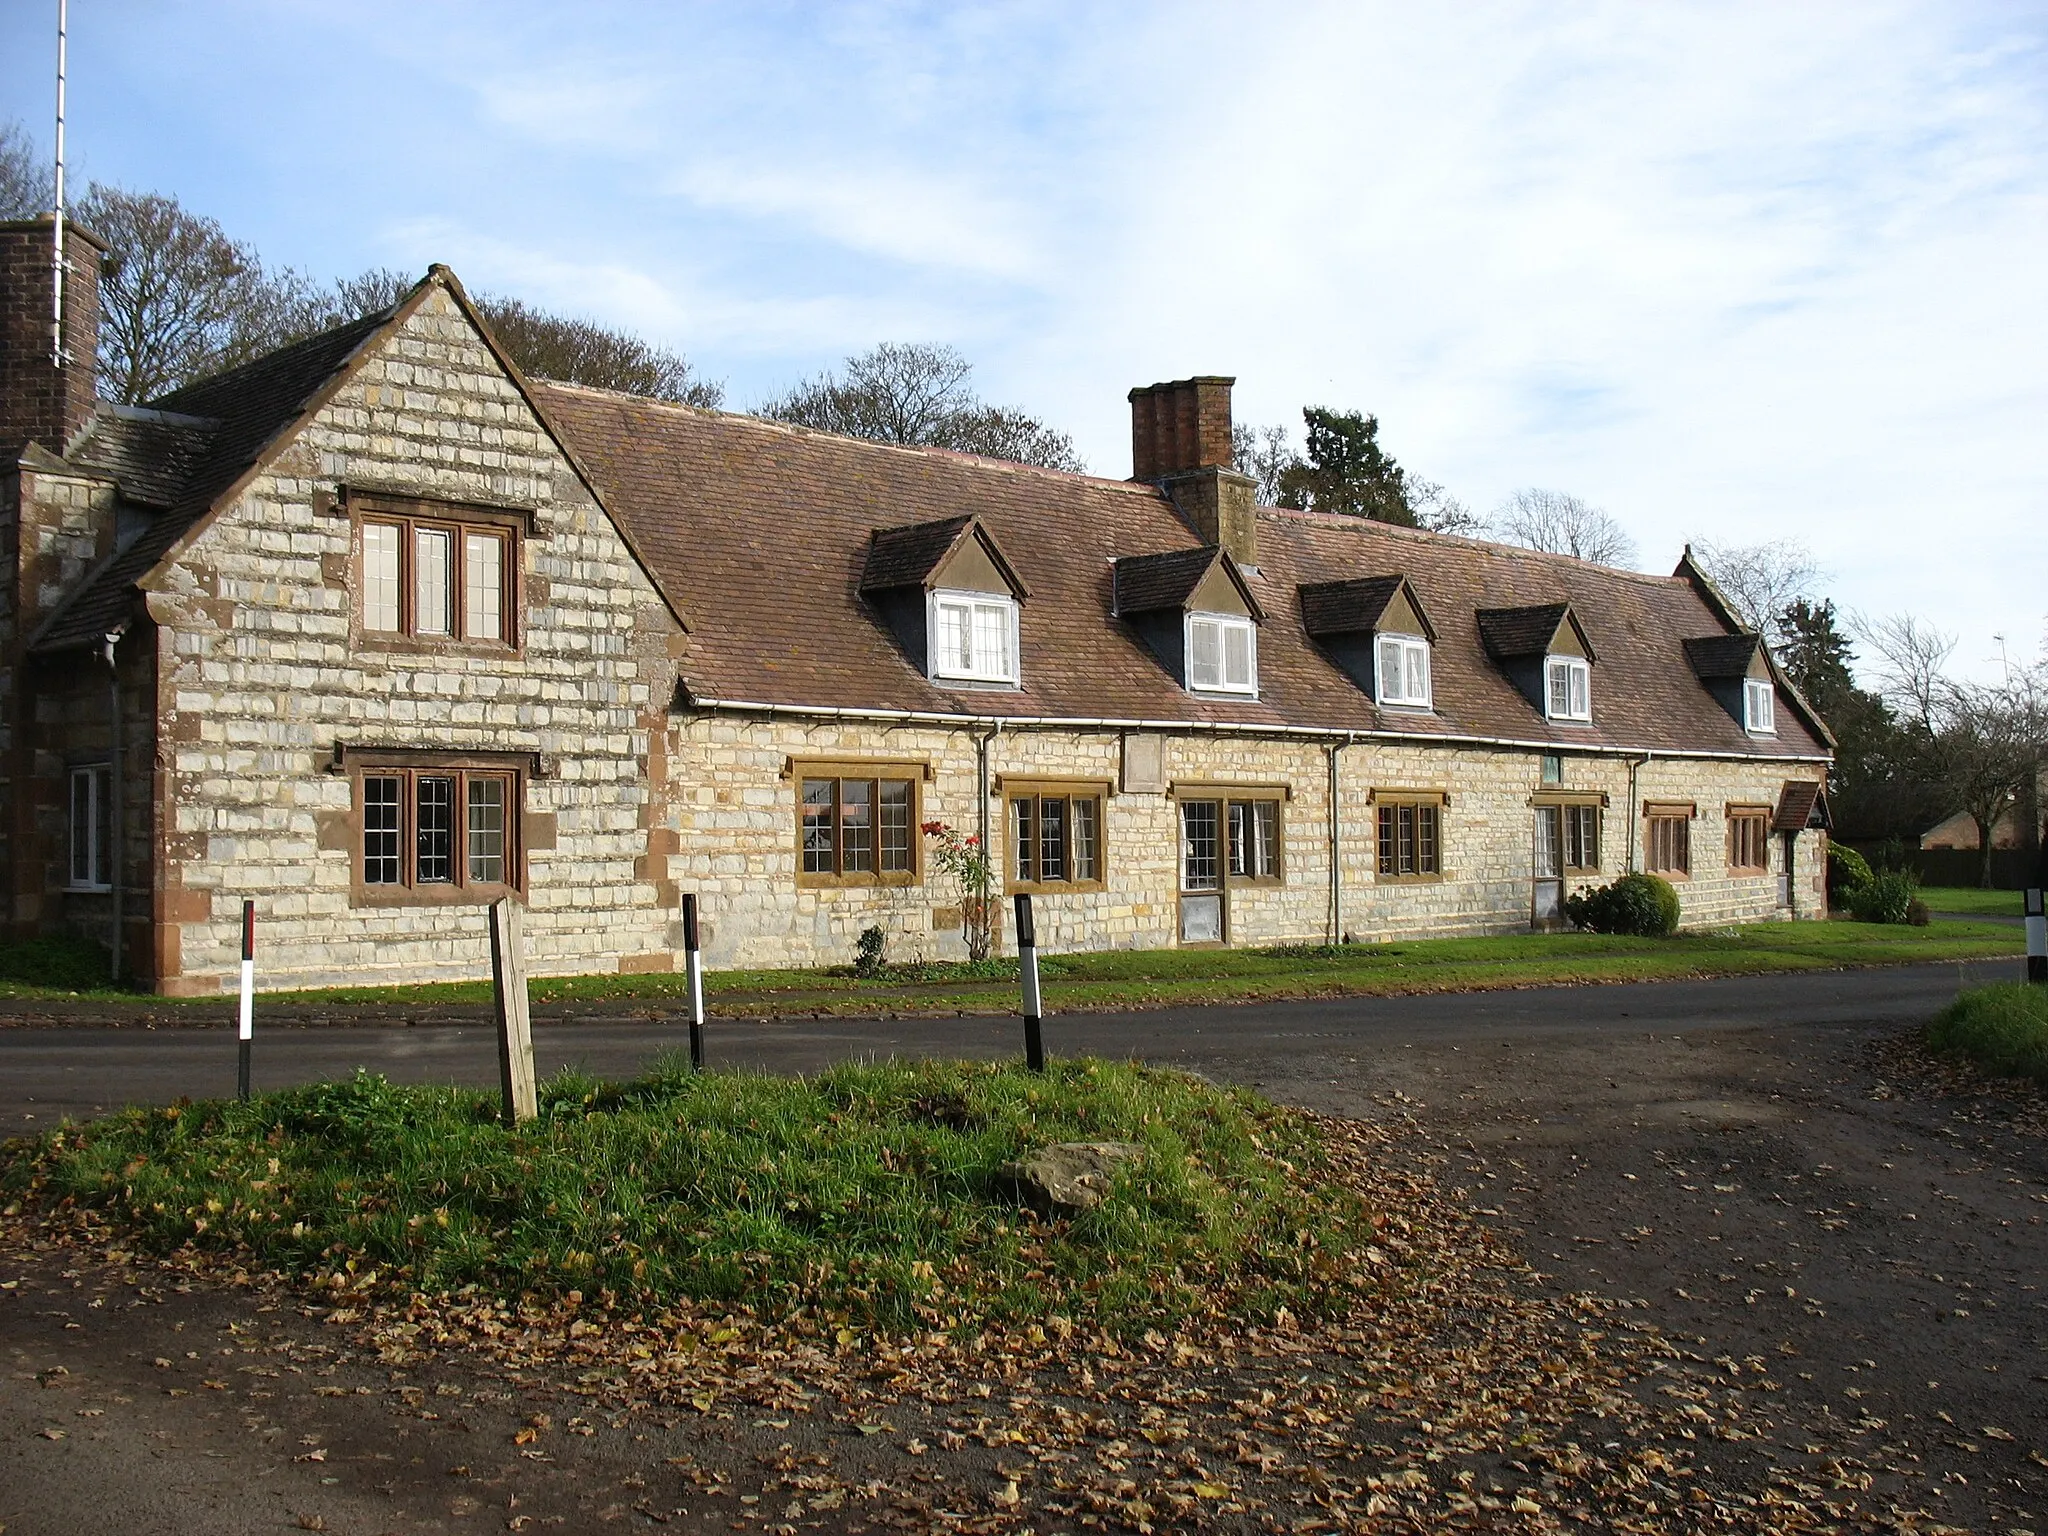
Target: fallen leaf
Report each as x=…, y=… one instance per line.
x=1005, y=1497
x=51, y=1434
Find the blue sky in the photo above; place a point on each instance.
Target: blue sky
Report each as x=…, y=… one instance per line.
x=1731, y=271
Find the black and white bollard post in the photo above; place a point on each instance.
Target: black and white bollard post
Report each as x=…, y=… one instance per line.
x=247, y=1033
x=693, y=963
x=2037, y=937
x=1027, y=970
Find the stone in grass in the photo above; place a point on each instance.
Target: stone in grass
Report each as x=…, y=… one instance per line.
x=1068, y=1176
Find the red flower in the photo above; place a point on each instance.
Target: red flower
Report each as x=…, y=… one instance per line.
x=933, y=828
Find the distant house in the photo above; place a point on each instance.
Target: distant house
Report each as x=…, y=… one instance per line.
x=2019, y=827
x=375, y=630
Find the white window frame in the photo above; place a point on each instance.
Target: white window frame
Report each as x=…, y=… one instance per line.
x=1759, y=707
x=1225, y=624
x=99, y=805
x=1003, y=669
x=1398, y=695
x=1579, y=681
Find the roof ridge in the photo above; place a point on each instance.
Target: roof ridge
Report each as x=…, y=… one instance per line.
x=795, y=430
x=1353, y=523
x=271, y=359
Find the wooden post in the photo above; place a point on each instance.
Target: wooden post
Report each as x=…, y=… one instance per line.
x=694, y=963
x=245, y=1032
x=1027, y=971
x=515, y=1025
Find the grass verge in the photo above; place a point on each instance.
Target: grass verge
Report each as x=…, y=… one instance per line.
x=873, y=1191
x=1971, y=899
x=1120, y=979
x=2003, y=1028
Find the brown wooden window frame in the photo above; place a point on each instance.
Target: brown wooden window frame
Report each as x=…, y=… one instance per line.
x=411, y=887
x=1022, y=848
x=1667, y=841
x=1417, y=857
x=1579, y=837
x=871, y=778
x=410, y=519
x=1749, y=824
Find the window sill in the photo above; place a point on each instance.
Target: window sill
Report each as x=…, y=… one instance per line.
x=976, y=684
x=1567, y=719
x=430, y=895
x=1256, y=882
x=88, y=890
x=1224, y=693
x=1676, y=876
x=1407, y=879
x=807, y=882
x=1746, y=872
x=384, y=643
x=1053, y=887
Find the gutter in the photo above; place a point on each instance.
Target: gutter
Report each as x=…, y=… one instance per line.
x=1336, y=734
x=1635, y=820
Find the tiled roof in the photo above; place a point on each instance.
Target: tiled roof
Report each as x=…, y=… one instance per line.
x=1155, y=583
x=1721, y=656
x=1798, y=802
x=250, y=406
x=764, y=531
x=1509, y=633
x=906, y=557
x=1348, y=607
x=150, y=454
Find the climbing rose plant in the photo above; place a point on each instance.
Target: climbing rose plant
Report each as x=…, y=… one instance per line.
x=961, y=856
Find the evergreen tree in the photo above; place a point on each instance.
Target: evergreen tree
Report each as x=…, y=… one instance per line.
x=1347, y=471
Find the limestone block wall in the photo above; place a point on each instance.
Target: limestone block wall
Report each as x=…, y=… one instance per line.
x=734, y=795
x=261, y=680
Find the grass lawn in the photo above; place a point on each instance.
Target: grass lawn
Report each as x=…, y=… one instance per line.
x=1969, y=898
x=2003, y=1028
x=875, y=1191
x=1118, y=979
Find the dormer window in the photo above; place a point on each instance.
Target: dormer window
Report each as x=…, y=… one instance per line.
x=973, y=637
x=1759, y=707
x=1404, y=671
x=1569, y=688
x=1223, y=653
x=1195, y=612
x=951, y=598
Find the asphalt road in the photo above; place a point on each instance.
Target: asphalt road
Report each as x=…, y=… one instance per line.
x=48, y=1073
x=1761, y=1166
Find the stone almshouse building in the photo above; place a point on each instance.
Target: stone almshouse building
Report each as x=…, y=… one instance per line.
x=374, y=630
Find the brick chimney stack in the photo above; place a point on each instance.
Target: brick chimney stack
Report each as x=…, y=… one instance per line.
x=1180, y=439
x=1180, y=426
x=40, y=400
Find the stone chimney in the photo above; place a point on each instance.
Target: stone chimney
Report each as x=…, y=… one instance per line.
x=1180, y=440
x=41, y=399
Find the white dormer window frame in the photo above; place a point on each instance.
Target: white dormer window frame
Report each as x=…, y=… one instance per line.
x=1402, y=671
x=971, y=637
x=1759, y=707
x=1222, y=653
x=1567, y=688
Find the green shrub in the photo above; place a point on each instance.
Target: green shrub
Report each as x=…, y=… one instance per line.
x=1640, y=904
x=2003, y=1028
x=67, y=964
x=1889, y=897
x=1848, y=870
x=867, y=953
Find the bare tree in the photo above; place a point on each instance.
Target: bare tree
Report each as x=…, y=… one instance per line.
x=584, y=352
x=920, y=396
x=26, y=184
x=179, y=300
x=1264, y=453
x=1439, y=511
x=1761, y=581
x=1563, y=525
x=1912, y=661
x=1987, y=752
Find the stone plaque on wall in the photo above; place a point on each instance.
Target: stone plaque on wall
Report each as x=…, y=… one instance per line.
x=1144, y=765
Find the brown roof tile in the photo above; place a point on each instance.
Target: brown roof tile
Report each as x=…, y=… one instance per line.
x=764, y=531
